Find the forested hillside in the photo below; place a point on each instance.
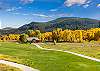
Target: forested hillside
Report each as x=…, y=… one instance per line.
x=72, y=23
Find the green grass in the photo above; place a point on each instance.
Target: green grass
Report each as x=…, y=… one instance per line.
x=89, y=48
x=4, y=67
x=45, y=60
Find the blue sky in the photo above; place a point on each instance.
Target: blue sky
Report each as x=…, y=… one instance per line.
x=14, y=13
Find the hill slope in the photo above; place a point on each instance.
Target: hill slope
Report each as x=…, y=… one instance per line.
x=64, y=23
x=73, y=23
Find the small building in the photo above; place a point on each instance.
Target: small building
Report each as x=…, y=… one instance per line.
x=33, y=39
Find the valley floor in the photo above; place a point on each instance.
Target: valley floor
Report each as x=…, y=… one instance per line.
x=91, y=49
x=45, y=60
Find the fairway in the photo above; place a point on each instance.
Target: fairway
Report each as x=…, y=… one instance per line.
x=89, y=49
x=44, y=60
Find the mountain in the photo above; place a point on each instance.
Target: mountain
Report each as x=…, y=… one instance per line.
x=73, y=23
x=9, y=30
x=35, y=26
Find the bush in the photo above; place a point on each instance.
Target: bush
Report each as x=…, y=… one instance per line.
x=23, y=38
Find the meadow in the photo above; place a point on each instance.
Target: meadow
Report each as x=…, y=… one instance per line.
x=45, y=60
x=91, y=49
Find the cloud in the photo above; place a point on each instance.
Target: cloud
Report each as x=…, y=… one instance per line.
x=85, y=6
x=69, y=3
x=13, y=9
x=10, y=9
x=61, y=15
x=64, y=15
x=98, y=5
x=19, y=7
x=16, y=13
x=26, y=1
x=25, y=14
x=52, y=10
x=41, y=15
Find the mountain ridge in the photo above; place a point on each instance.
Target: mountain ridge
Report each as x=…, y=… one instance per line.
x=64, y=23
x=72, y=23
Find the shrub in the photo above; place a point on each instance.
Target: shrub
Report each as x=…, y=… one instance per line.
x=23, y=38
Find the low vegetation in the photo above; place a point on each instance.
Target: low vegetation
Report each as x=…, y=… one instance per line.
x=4, y=67
x=44, y=60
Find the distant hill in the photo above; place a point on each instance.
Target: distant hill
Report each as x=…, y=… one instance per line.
x=8, y=28
x=73, y=23
x=9, y=31
x=35, y=26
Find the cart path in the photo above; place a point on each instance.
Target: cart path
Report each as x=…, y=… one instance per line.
x=91, y=58
x=20, y=66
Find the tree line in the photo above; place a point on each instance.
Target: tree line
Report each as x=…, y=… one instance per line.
x=57, y=35
x=60, y=35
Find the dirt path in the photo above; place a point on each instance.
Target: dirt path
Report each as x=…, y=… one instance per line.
x=94, y=59
x=20, y=66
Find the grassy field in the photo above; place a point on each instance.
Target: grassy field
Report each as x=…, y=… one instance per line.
x=89, y=48
x=45, y=60
x=8, y=68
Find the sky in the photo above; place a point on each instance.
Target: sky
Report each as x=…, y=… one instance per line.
x=15, y=13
